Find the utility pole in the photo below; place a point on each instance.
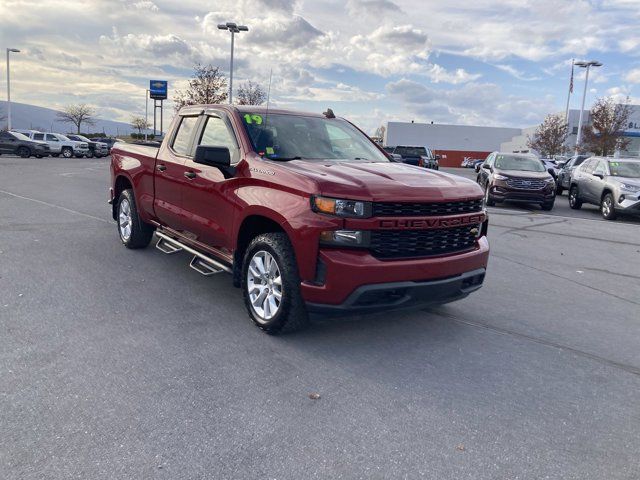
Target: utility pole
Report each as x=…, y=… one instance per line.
x=586, y=65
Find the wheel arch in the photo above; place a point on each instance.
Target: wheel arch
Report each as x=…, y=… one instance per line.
x=121, y=183
x=605, y=191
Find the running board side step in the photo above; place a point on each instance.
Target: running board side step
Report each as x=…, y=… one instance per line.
x=200, y=262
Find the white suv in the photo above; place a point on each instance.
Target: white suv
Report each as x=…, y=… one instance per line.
x=61, y=145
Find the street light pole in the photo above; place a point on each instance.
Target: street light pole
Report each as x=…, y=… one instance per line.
x=586, y=65
x=9, y=50
x=146, y=113
x=233, y=28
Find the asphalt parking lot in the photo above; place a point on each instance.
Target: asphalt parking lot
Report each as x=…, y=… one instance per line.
x=128, y=364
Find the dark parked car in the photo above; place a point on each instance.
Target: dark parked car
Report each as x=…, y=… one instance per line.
x=611, y=183
x=394, y=157
x=516, y=177
x=420, y=156
x=21, y=145
x=96, y=149
x=564, y=175
x=109, y=141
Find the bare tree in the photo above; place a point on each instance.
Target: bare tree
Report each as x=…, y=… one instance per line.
x=139, y=123
x=207, y=85
x=550, y=137
x=251, y=93
x=77, y=114
x=608, y=122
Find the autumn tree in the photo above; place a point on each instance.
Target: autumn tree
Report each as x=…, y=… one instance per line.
x=77, y=114
x=608, y=122
x=207, y=85
x=139, y=123
x=251, y=93
x=550, y=137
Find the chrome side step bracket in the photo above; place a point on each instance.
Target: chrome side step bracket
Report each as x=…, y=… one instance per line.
x=165, y=247
x=200, y=262
x=203, y=267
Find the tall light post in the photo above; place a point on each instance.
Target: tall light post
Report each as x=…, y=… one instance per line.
x=9, y=50
x=587, y=65
x=146, y=114
x=233, y=28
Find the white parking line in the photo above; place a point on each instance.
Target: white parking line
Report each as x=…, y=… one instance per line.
x=75, y=212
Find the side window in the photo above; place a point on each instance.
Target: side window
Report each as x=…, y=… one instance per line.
x=600, y=168
x=182, y=141
x=52, y=138
x=578, y=161
x=489, y=160
x=588, y=166
x=217, y=133
x=38, y=136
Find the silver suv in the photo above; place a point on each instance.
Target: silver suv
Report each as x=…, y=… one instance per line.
x=611, y=183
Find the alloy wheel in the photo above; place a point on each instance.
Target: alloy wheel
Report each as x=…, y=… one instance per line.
x=124, y=219
x=264, y=286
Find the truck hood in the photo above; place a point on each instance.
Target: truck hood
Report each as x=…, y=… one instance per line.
x=384, y=181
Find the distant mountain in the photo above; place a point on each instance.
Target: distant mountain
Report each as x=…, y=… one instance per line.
x=25, y=116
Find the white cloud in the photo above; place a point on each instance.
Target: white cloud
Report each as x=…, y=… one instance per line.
x=633, y=76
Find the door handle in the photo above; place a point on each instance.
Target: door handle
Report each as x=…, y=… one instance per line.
x=161, y=168
x=190, y=175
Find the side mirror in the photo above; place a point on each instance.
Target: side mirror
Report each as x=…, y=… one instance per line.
x=218, y=157
x=438, y=157
x=551, y=171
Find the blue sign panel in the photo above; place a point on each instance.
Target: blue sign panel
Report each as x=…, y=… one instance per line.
x=158, y=89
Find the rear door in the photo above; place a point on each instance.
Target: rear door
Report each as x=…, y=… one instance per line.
x=7, y=142
x=169, y=176
x=205, y=199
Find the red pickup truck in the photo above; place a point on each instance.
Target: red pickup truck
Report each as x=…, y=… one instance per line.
x=305, y=212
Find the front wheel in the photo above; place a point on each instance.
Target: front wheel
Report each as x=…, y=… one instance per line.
x=67, y=152
x=133, y=232
x=271, y=284
x=90, y=154
x=488, y=201
x=607, y=207
x=574, y=199
x=23, y=152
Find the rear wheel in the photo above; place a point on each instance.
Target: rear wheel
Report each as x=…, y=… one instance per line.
x=607, y=207
x=271, y=284
x=574, y=198
x=133, y=232
x=90, y=154
x=67, y=152
x=23, y=152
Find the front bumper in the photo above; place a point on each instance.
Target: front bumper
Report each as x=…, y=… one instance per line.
x=628, y=202
x=404, y=295
x=345, y=272
x=502, y=193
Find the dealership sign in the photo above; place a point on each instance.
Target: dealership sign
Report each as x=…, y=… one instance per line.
x=158, y=89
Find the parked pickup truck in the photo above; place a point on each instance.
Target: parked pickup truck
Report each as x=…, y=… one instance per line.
x=305, y=212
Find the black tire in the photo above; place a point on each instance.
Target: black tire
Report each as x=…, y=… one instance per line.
x=90, y=154
x=140, y=232
x=23, y=152
x=607, y=207
x=67, y=152
x=574, y=198
x=488, y=201
x=547, y=206
x=292, y=313
x=559, y=189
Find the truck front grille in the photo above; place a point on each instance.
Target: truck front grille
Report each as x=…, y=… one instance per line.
x=387, y=209
x=387, y=244
x=526, y=183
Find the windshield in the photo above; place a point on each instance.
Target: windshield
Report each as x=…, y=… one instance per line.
x=412, y=151
x=62, y=137
x=20, y=136
x=287, y=137
x=521, y=163
x=79, y=138
x=625, y=169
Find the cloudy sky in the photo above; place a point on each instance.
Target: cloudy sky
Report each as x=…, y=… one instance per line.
x=484, y=62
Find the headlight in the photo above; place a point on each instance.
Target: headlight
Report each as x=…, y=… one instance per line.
x=341, y=208
x=630, y=188
x=497, y=176
x=345, y=238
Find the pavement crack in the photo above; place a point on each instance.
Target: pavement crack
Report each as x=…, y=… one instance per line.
x=566, y=278
x=505, y=331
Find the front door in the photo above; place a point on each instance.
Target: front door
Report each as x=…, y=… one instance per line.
x=208, y=211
